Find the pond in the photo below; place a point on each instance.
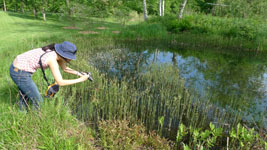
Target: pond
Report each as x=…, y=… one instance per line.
x=233, y=81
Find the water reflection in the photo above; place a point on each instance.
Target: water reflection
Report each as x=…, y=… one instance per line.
x=235, y=80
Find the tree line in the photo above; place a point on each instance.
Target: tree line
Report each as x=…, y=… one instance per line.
x=106, y=8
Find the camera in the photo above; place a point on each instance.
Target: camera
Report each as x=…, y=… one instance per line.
x=90, y=78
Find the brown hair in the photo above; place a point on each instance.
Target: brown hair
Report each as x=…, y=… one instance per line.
x=51, y=47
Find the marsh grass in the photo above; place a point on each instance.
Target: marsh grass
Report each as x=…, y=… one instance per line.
x=157, y=93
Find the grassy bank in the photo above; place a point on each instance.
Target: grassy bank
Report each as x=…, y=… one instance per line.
x=201, y=31
x=54, y=127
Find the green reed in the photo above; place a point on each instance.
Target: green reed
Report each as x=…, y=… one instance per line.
x=159, y=92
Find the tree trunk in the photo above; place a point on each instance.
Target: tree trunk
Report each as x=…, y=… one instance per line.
x=44, y=8
x=163, y=3
x=145, y=10
x=4, y=5
x=68, y=3
x=182, y=9
x=68, y=7
x=34, y=12
x=159, y=7
x=22, y=6
x=43, y=12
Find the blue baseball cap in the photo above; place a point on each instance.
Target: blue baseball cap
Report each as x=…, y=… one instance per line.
x=66, y=50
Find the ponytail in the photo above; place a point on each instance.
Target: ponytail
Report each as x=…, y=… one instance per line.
x=51, y=47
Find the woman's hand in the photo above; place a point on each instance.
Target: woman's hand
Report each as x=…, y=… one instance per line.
x=84, y=77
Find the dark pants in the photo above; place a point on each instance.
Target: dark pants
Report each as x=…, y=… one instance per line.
x=27, y=88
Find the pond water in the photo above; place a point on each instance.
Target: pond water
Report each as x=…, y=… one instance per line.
x=235, y=81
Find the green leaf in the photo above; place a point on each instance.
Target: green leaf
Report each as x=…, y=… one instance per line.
x=181, y=128
x=191, y=130
x=196, y=133
x=211, y=141
x=238, y=129
x=212, y=126
x=161, y=119
x=233, y=133
x=186, y=147
x=178, y=137
x=205, y=135
x=241, y=144
x=218, y=132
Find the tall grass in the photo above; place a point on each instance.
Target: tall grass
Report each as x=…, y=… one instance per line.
x=157, y=93
x=52, y=128
x=55, y=127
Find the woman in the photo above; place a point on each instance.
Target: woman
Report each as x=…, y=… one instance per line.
x=53, y=56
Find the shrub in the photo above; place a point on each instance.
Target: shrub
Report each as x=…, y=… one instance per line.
x=173, y=24
x=244, y=29
x=249, y=29
x=144, y=31
x=185, y=24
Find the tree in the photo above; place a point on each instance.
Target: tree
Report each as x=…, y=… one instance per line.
x=22, y=6
x=145, y=10
x=43, y=9
x=163, y=7
x=34, y=8
x=4, y=5
x=68, y=7
x=182, y=9
x=160, y=7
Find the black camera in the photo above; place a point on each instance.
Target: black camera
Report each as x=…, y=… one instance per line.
x=90, y=78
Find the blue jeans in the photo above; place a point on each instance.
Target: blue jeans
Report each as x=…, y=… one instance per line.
x=27, y=88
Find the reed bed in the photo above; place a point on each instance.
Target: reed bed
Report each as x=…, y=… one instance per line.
x=157, y=98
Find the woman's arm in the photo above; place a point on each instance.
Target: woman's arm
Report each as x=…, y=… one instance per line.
x=53, y=65
x=69, y=70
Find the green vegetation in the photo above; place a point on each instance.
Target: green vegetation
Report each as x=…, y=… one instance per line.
x=200, y=31
x=54, y=127
x=120, y=135
x=240, y=138
x=238, y=24
x=113, y=113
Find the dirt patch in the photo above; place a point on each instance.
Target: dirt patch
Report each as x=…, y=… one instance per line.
x=88, y=32
x=116, y=32
x=101, y=28
x=71, y=28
